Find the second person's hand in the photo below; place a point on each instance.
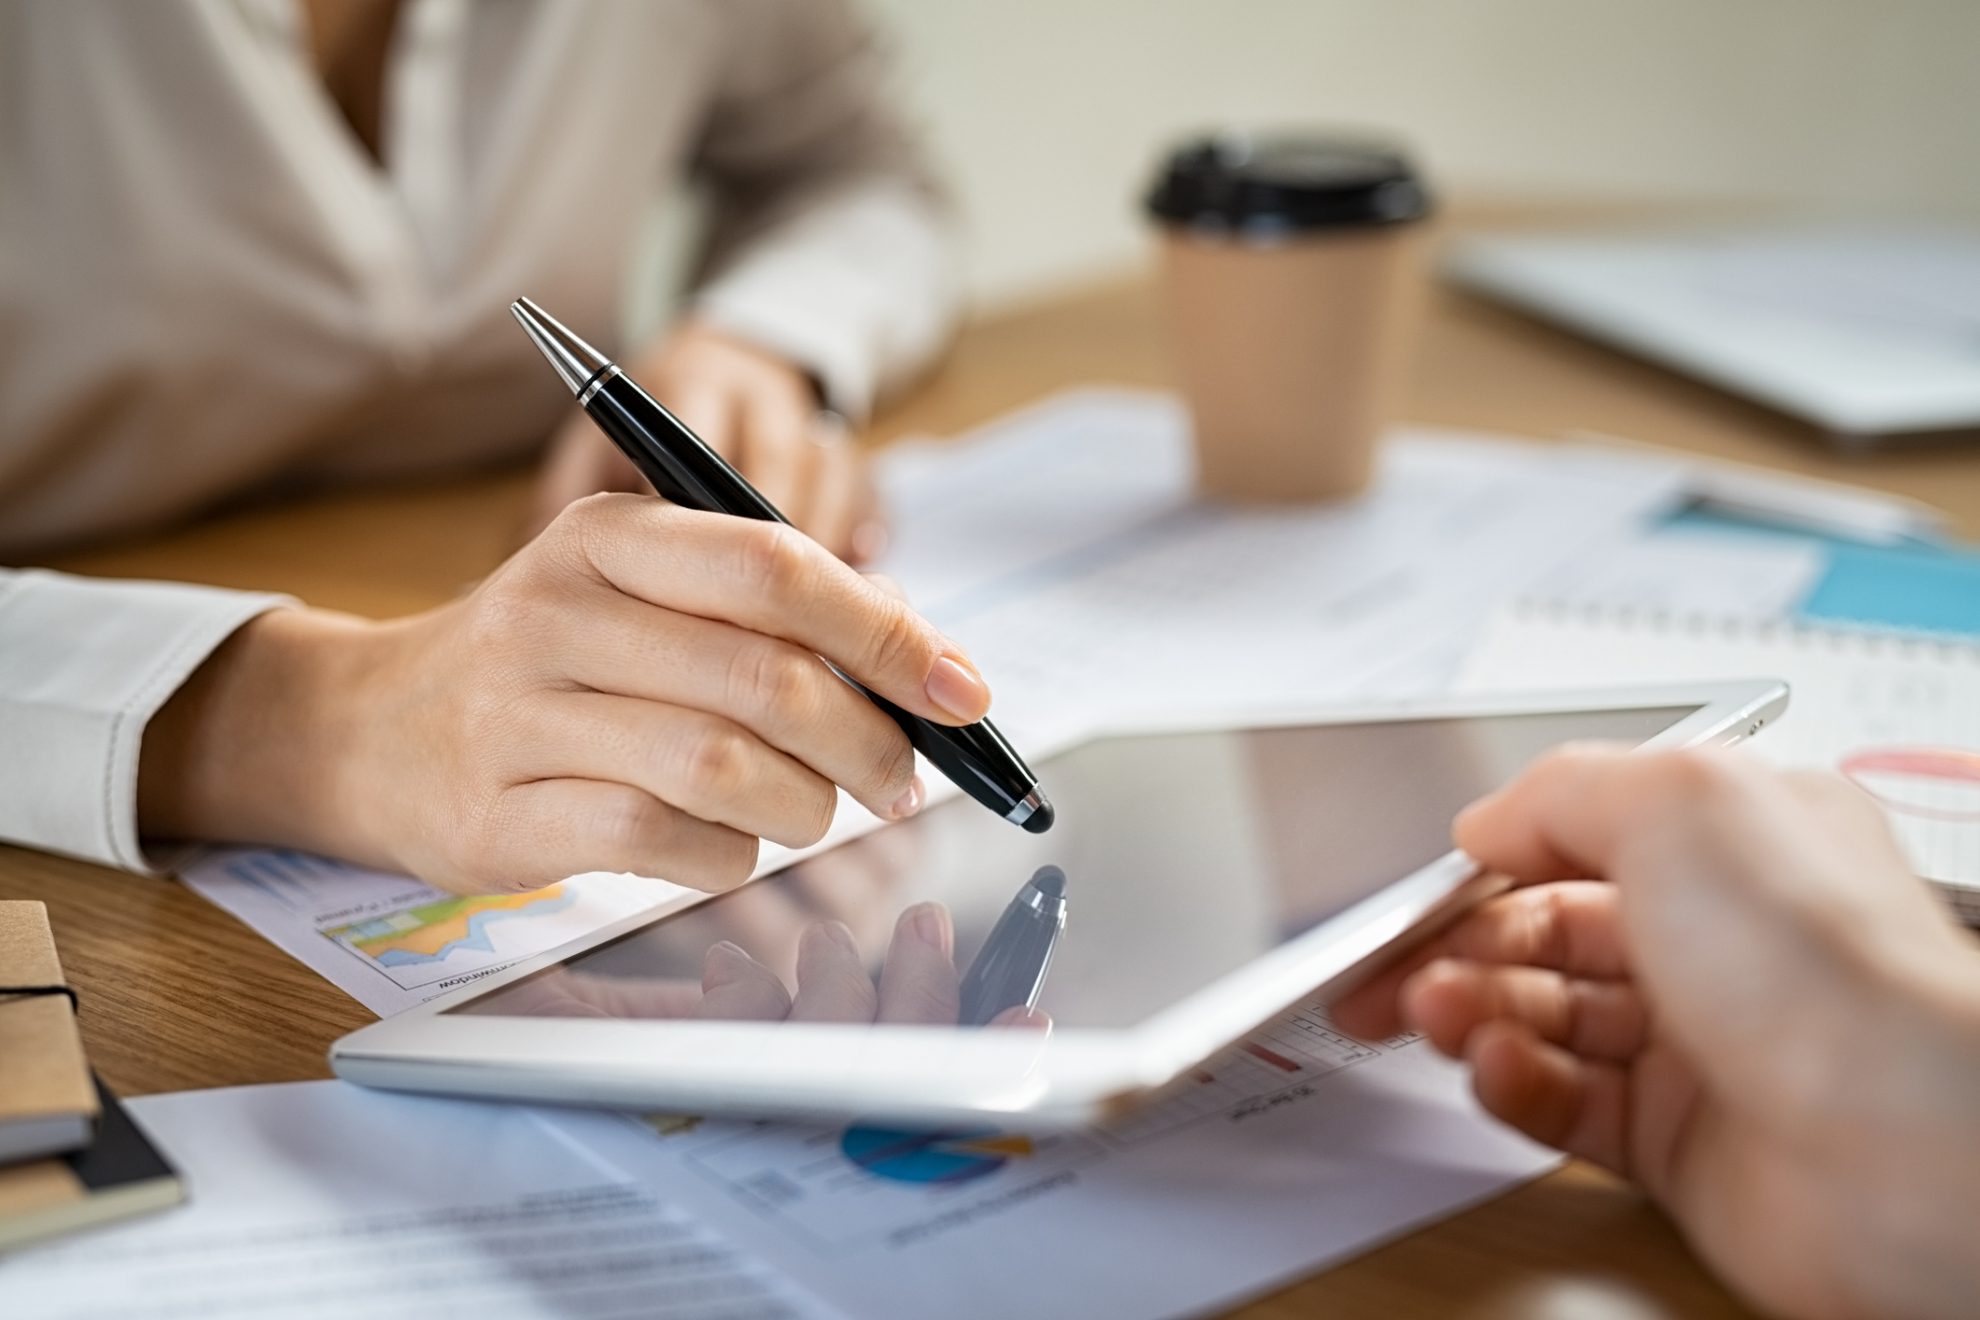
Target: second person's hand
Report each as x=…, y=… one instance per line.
x=1723, y=982
x=638, y=689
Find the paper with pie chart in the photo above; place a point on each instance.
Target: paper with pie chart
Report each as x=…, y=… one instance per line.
x=1295, y=1148
x=391, y=942
x=856, y=1187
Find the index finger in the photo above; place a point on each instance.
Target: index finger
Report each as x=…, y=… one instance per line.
x=773, y=579
x=1563, y=818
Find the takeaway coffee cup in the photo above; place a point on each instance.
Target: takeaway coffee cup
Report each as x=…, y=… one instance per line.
x=1290, y=276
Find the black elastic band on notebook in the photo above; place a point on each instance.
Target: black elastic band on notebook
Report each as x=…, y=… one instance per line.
x=75, y=1004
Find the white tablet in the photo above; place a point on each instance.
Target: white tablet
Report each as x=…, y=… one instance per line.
x=1198, y=882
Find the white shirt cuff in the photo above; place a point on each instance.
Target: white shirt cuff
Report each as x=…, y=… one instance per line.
x=84, y=665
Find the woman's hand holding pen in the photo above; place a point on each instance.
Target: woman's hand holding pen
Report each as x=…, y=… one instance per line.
x=1723, y=982
x=638, y=689
x=756, y=410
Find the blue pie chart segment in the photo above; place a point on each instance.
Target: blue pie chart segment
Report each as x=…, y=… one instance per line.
x=931, y=1157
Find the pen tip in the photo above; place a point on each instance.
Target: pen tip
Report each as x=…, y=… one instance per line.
x=1050, y=881
x=1041, y=817
x=575, y=361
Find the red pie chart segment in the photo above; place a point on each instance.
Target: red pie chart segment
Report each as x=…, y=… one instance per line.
x=1935, y=783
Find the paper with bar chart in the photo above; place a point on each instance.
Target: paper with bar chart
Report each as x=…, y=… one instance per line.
x=1297, y=1147
x=391, y=942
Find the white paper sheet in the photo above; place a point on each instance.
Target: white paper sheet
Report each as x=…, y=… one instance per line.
x=319, y=1199
x=1722, y=574
x=1291, y=1153
x=1063, y=548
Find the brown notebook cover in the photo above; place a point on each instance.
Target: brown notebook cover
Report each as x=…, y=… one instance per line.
x=47, y=1102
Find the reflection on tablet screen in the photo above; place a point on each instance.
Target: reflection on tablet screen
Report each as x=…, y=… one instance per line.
x=1176, y=860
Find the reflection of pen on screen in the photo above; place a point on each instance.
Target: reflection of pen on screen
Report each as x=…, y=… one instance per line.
x=1009, y=971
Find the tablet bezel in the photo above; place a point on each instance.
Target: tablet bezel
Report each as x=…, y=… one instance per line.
x=933, y=1075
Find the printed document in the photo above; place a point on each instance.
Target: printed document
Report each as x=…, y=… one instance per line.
x=1064, y=548
x=318, y=1199
x=1291, y=1152
x=389, y=941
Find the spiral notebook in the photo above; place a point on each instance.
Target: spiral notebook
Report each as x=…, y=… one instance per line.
x=1897, y=713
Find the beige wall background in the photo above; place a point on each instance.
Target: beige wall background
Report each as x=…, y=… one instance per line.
x=1049, y=114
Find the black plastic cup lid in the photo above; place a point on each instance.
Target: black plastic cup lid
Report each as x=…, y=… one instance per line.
x=1283, y=183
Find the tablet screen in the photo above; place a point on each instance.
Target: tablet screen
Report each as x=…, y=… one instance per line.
x=1176, y=859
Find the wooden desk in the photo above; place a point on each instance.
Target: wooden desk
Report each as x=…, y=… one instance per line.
x=177, y=994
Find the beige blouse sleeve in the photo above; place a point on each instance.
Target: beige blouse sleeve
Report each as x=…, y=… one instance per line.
x=831, y=243
x=84, y=665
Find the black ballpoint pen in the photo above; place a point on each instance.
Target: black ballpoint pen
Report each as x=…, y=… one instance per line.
x=1009, y=970
x=686, y=471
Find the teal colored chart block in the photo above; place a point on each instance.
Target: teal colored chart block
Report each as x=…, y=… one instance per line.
x=1936, y=590
x=1933, y=588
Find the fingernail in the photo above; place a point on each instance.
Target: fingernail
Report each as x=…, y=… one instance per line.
x=931, y=923
x=830, y=427
x=840, y=934
x=1480, y=807
x=911, y=800
x=869, y=541
x=723, y=963
x=1022, y=1018
x=955, y=687
x=1437, y=969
